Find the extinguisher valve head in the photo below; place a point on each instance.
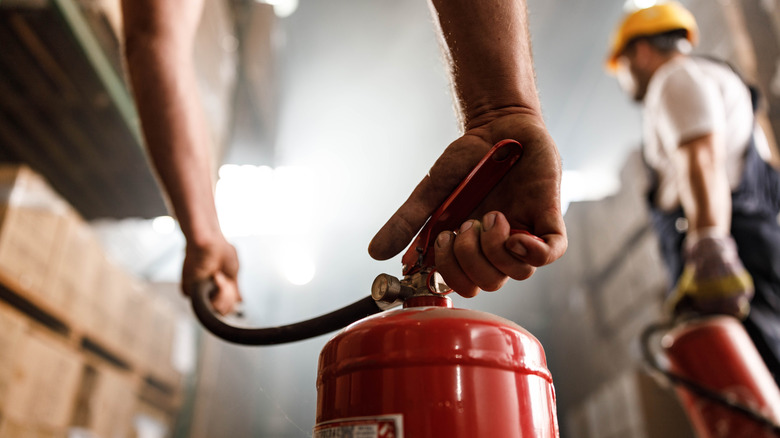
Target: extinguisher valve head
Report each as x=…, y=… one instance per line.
x=386, y=288
x=389, y=289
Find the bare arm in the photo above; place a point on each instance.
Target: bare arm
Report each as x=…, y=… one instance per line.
x=159, y=38
x=714, y=280
x=158, y=48
x=488, y=48
x=488, y=52
x=705, y=193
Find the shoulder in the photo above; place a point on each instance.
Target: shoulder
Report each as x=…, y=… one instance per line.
x=682, y=76
x=684, y=81
x=683, y=102
x=688, y=74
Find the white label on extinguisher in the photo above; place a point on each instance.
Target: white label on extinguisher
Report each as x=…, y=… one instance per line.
x=385, y=426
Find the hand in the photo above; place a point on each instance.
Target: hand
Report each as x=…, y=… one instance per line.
x=483, y=254
x=217, y=261
x=713, y=281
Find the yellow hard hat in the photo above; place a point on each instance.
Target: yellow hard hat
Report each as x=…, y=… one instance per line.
x=654, y=20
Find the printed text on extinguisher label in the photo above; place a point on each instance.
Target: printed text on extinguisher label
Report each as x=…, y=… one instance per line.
x=386, y=426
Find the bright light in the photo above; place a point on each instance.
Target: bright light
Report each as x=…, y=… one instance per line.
x=579, y=185
x=282, y=8
x=296, y=264
x=163, y=225
x=634, y=5
x=285, y=201
x=261, y=201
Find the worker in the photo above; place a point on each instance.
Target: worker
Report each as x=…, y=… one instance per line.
x=714, y=199
x=489, y=54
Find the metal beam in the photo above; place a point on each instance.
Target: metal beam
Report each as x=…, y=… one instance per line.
x=113, y=84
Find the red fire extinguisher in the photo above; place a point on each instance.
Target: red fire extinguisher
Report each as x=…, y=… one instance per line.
x=725, y=388
x=427, y=370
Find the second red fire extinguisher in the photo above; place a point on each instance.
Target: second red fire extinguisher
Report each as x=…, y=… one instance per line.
x=725, y=388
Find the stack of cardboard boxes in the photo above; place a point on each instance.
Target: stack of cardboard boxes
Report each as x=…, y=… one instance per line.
x=80, y=338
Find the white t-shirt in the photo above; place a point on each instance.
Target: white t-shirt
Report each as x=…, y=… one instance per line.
x=688, y=98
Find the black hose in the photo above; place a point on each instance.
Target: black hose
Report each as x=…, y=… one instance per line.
x=694, y=387
x=310, y=328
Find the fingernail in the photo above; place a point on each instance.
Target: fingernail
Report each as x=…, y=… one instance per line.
x=443, y=239
x=527, y=234
x=466, y=225
x=518, y=249
x=488, y=221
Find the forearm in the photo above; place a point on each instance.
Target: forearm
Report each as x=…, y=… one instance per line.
x=488, y=48
x=705, y=193
x=158, y=50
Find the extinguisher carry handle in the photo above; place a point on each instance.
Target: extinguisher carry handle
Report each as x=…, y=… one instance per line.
x=462, y=202
x=201, y=305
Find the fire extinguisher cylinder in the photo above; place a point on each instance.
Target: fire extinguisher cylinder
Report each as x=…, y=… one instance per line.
x=430, y=370
x=716, y=354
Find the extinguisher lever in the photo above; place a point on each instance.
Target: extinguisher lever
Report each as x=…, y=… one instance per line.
x=201, y=305
x=462, y=202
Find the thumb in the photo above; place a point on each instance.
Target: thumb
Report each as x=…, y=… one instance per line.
x=401, y=228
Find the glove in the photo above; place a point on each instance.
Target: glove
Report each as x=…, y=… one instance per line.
x=714, y=280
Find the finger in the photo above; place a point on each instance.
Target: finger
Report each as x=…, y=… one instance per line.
x=534, y=250
x=190, y=283
x=494, y=234
x=448, y=267
x=472, y=261
x=407, y=221
x=399, y=230
x=448, y=171
x=550, y=227
x=230, y=266
x=186, y=287
x=227, y=294
x=543, y=239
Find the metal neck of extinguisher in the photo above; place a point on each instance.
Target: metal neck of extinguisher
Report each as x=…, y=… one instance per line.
x=420, y=278
x=666, y=376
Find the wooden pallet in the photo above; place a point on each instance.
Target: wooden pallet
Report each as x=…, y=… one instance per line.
x=163, y=388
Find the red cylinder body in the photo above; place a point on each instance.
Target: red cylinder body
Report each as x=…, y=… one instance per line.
x=430, y=371
x=718, y=354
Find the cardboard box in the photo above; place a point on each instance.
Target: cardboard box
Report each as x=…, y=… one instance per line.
x=162, y=325
x=101, y=310
x=111, y=10
x=73, y=274
x=151, y=421
x=31, y=226
x=44, y=382
x=11, y=429
x=13, y=328
x=135, y=332
x=112, y=404
x=106, y=403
